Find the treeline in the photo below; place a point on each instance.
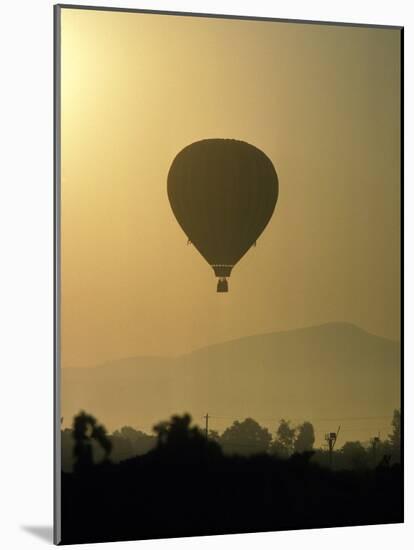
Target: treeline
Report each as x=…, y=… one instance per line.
x=125, y=443
x=188, y=484
x=248, y=438
x=245, y=438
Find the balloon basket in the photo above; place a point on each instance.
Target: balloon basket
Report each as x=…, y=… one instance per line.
x=222, y=285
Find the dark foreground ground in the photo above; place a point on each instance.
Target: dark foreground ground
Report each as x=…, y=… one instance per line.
x=193, y=489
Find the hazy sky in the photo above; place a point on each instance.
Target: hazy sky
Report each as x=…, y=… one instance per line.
x=323, y=102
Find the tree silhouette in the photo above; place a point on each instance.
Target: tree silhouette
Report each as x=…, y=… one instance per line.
x=246, y=438
x=177, y=432
x=395, y=436
x=283, y=444
x=353, y=456
x=128, y=442
x=213, y=435
x=162, y=430
x=85, y=431
x=179, y=442
x=305, y=438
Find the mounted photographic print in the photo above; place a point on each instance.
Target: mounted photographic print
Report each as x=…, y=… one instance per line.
x=228, y=274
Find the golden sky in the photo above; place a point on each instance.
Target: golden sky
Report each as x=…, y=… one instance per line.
x=323, y=102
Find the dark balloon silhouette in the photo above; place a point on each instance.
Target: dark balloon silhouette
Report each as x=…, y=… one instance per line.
x=223, y=193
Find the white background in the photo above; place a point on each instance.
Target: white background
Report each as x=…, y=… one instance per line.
x=26, y=238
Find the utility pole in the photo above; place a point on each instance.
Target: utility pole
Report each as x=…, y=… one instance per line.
x=331, y=438
x=206, y=418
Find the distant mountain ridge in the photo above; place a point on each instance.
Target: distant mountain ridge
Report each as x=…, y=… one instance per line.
x=328, y=371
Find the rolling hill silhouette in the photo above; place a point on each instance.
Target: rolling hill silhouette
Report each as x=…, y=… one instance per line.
x=335, y=370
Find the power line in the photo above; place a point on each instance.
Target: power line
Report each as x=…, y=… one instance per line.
x=344, y=418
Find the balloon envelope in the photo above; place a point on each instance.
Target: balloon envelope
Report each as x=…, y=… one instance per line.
x=223, y=193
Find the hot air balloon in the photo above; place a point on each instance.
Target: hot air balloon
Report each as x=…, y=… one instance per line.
x=223, y=193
